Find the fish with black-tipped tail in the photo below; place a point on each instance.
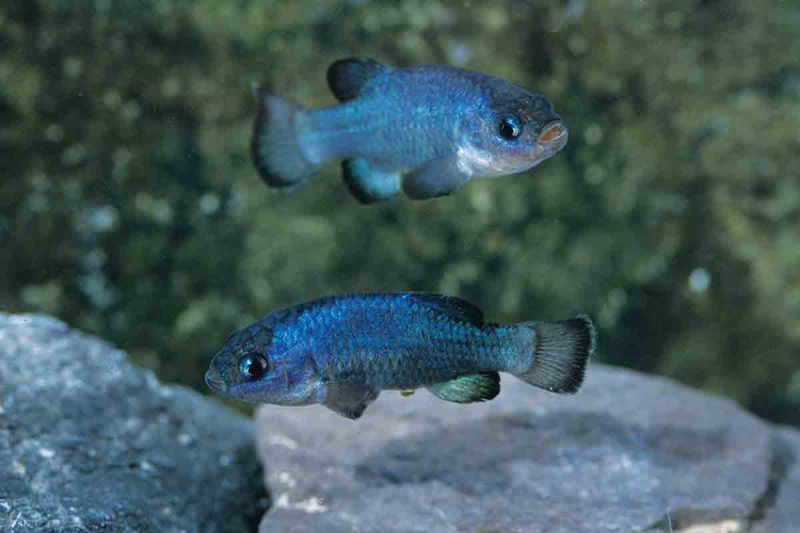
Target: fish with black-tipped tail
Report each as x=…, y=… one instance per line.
x=343, y=351
x=425, y=130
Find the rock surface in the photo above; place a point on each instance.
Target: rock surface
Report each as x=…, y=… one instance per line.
x=629, y=452
x=89, y=442
x=781, y=513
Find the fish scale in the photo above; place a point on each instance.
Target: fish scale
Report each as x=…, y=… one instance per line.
x=380, y=326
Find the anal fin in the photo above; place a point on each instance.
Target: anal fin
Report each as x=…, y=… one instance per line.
x=369, y=184
x=468, y=388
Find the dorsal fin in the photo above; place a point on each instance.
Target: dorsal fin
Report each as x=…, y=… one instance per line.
x=452, y=306
x=347, y=77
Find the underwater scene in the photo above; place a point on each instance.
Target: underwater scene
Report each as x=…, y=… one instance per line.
x=400, y=265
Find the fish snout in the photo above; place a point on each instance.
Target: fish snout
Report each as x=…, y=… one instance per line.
x=553, y=135
x=214, y=380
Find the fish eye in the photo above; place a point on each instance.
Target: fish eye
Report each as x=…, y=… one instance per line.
x=509, y=128
x=252, y=367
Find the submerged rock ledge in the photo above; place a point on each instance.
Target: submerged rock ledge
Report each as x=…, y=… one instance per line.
x=89, y=442
x=629, y=452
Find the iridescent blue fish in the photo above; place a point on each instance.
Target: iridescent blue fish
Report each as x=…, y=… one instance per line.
x=424, y=130
x=343, y=351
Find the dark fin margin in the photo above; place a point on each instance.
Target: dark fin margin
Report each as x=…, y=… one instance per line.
x=562, y=350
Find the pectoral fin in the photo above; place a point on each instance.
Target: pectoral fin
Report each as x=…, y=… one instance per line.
x=349, y=398
x=439, y=177
x=469, y=388
x=368, y=184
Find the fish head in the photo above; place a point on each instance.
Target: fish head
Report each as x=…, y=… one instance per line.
x=252, y=367
x=512, y=130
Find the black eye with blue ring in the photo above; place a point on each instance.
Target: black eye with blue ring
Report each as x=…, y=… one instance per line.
x=509, y=128
x=252, y=367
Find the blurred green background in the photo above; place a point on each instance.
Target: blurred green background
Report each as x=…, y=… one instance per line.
x=129, y=206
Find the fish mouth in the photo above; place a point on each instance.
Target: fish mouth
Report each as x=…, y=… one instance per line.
x=214, y=380
x=553, y=136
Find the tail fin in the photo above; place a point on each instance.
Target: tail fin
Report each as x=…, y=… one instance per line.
x=560, y=353
x=275, y=148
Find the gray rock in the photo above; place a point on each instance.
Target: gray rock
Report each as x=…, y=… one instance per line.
x=629, y=452
x=781, y=512
x=89, y=442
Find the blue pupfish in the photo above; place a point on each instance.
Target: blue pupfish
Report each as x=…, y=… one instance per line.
x=342, y=351
x=424, y=130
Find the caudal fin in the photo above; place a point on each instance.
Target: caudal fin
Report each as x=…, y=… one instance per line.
x=275, y=148
x=560, y=352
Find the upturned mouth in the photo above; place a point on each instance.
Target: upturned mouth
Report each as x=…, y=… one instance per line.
x=554, y=135
x=214, y=380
